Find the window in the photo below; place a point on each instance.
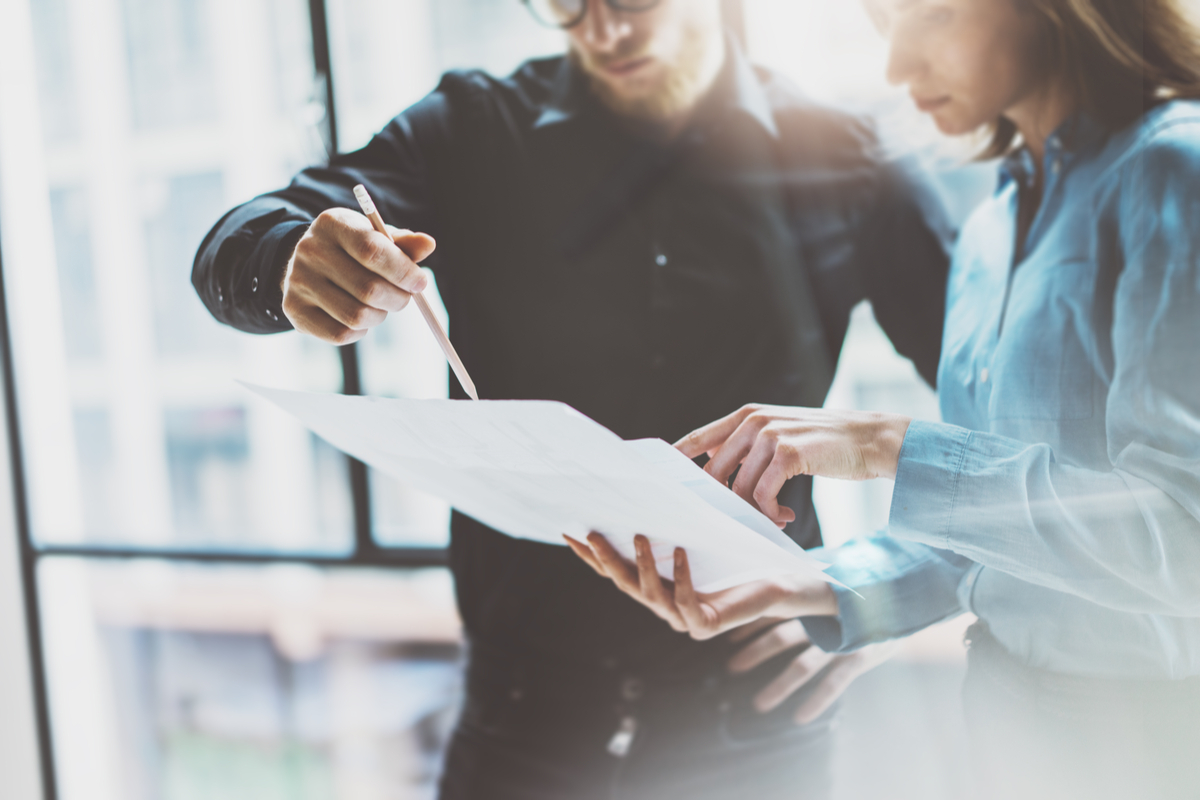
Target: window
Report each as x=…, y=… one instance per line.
x=227, y=608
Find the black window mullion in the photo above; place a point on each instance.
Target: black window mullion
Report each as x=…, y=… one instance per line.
x=360, y=487
x=27, y=552
x=322, y=66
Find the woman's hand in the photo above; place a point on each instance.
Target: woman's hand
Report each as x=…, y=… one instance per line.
x=759, y=615
x=703, y=615
x=825, y=676
x=775, y=443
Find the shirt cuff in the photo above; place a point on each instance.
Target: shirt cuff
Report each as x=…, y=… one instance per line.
x=893, y=589
x=270, y=257
x=927, y=481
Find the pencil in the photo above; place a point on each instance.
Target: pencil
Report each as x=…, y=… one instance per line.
x=439, y=333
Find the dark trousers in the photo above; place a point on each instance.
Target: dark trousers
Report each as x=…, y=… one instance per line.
x=1038, y=734
x=567, y=732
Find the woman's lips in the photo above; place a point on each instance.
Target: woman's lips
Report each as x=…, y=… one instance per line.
x=928, y=104
x=628, y=67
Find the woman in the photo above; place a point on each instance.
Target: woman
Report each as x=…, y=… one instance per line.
x=1060, y=501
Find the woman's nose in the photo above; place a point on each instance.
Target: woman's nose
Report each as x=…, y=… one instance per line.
x=904, y=61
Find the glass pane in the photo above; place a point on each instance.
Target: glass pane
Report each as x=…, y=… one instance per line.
x=131, y=127
x=401, y=359
x=281, y=681
x=834, y=54
x=375, y=80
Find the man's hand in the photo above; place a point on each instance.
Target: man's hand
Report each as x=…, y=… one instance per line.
x=703, y=615
x=768, y=638
x=344, y=276
x=771, y=444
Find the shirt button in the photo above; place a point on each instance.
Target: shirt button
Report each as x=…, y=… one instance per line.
x=254, y=284
x=632, y=689
x=661, y=260
x=983, y=375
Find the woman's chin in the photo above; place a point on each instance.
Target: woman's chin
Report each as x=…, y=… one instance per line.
x=953, y=126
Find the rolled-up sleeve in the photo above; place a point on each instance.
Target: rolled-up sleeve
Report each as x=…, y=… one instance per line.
x=892, y=589
x=1127, y=538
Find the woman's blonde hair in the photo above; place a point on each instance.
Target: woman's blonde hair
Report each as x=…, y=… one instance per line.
x=1118, y=57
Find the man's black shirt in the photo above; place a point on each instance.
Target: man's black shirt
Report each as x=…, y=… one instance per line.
x=654, y=287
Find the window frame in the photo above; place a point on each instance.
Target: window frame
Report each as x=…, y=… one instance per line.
x=364, y=551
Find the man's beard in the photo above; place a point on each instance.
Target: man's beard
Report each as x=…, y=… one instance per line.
x=683, y=82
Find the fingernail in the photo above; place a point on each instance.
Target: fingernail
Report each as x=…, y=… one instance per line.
x=420, y=285
x=679, y=557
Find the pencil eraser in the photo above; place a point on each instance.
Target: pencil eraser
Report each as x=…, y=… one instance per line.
x=364, y=200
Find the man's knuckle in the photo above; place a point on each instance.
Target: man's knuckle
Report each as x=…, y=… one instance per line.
x=307, y=246
x=342, y=335
x=375, y=292
x=372, y=252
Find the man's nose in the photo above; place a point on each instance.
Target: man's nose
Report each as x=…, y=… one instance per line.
x=604, y=27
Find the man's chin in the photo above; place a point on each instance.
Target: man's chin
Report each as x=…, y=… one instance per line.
x=649, y=98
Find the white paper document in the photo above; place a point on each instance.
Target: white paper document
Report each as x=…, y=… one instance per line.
x=540, y=469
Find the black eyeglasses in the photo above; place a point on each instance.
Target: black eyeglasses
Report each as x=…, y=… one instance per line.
x=569, y=13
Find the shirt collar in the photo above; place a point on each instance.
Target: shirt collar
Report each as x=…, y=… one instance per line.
x=1076, y=136
x=567, y=95
x=737, y=88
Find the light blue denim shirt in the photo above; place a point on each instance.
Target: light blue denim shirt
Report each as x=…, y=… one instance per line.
x=1060, y=500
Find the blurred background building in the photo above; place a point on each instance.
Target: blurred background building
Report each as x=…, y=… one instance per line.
x=223, y=607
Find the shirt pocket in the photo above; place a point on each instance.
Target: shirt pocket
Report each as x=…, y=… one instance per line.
x=1043, y=367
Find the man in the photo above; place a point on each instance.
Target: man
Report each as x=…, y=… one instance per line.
x=653, y=231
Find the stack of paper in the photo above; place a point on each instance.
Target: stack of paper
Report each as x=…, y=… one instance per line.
x=540, y=469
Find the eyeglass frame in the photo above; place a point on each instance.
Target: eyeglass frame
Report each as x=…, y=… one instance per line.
x=615, y=5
